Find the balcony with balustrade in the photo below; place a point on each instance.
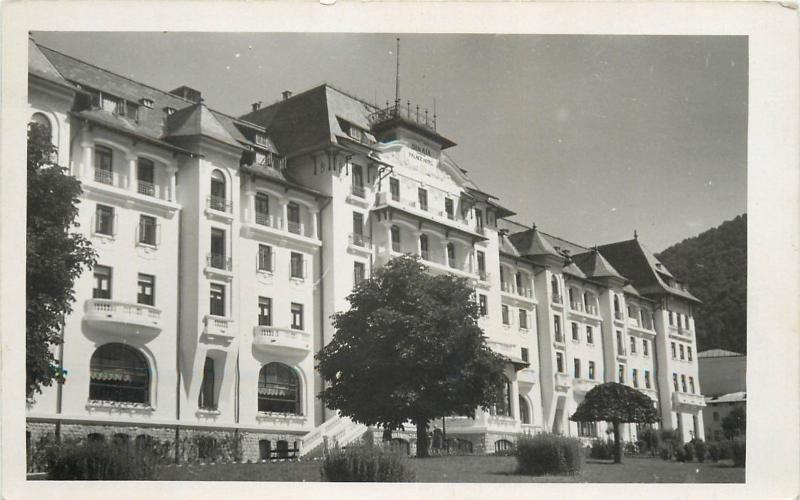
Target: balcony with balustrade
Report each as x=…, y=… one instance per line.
x=219, y=265
x=359, y=243
x=289, y=344
x=385, y=201
x=219, y=328
x=584, y=310
x=683, y=400
x=563, y=382
x=125, y=319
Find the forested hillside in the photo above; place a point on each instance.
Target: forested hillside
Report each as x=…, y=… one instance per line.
x=714, y=264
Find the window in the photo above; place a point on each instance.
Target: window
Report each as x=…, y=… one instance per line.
x=557, y=328
x=358, y=224
x=482, y=305
x=145, y=177
x=524, y=411
x=691, y=384
x=523, y=319
x=620, y=345
x=358, y=180
x=591, y=370
x=577, y=363
x=103, y=165
x=617, y=313
x=297, y=316
x=479, y=218
x=678, y=319
x=689, y=352
x=264, y=311
x=119, y=372
x=262, y=209
x=502, y=276
x=264, y=449
x=423, y=246
x=102, y=282
x=671, y=318
x=448, y=208
x=555, y=289
x=293, y=218
x=206, y=399
x=503, y=405
x=635, y=377
x=506, y=320
x=633, y=345
x=647, y=378
x=216, y=200
x=265, y=258
x=394, y=188
x=216, y=258
x=481, y=258
x=147, y=290
x=571, y=297
x=524, y=354
x=359, y=272
x=518, y=282
x=278, y=389
x=147, y=230
x=104, y=220
x=675, y=381
x=395, y=233
x=296, y=265
x=645, y=347
x=683, y=383
x=621, y=374
x=423, y=198
x=217, y=299
x=502, y=445
x=587, y=429
x=575, y=334
x=686, y=321
x=560, y=362
x=683, y=354
x=44, y=122
x=451, y=255
x=674, y=352
x=589, y=335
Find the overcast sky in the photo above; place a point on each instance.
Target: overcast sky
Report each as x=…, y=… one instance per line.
x=591, y=137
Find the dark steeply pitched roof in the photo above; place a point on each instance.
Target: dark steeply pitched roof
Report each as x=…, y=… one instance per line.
x=595, y=265
x=573, y=270
x=532, y=243
x=198, y=120
x=639, y=264
x=506, y=246
x=40, y=66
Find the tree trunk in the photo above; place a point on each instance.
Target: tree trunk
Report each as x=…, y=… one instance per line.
x=387, y=434
x=617, y=443
x=422, y=437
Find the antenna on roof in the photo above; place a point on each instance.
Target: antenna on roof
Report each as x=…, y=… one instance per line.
x=397, y=76
x=635, y=235
x=533, y=226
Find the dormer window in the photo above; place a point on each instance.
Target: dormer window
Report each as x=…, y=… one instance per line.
x=261, y=139
x=168, y=110
x=147, y=103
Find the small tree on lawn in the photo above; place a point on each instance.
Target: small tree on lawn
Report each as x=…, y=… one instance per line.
x=55, y=257
x=617, y=404
x=409, y=349
x=735, y=423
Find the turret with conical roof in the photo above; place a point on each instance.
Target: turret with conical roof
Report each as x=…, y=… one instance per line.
x=532, y=245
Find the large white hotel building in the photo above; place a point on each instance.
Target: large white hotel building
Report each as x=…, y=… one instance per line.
x=225, y=244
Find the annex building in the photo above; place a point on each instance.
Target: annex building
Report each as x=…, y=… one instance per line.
x=226, y=243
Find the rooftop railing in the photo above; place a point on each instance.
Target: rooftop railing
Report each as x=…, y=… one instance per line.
x=407, y=112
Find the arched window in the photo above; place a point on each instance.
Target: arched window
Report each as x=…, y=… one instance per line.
x=524, y=411
x=278, y=389
x=451, y=255
x=503, y=405
x=554, y=285
x=119, y=373
x=395, y=238
x=217, y=198
x=121, y=439
x=503, y=445
x=44, y=122
x=206, y=400
x=616, y=306
x=423, y=246
x=143, y=441
x=264, y=449
x=95, y=437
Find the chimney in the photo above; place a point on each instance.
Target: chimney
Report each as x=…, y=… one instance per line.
x=256, y=105
x=286, y=94
x=187, y=93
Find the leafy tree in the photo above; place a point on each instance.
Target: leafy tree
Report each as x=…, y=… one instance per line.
x=617, y=404
x=409, y=349
x=55, y=257
x=714, y=265
x=735, y=423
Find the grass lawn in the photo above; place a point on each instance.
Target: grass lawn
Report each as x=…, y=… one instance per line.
x=478, y=469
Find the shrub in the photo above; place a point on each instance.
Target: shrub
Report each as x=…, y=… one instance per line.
x=700, y=449
x=725, y=451
x=680, y=454
x=549, y=454
x=366, y=463
x=713, y=451
x=688, y=451
x=739, y=452
x=665, y=451
x=649, y=440
x=602, y=449
x=100, y=461
x=631, y=448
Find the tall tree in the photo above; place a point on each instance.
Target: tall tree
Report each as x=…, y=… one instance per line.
x=55, y=257
x=409, y=349
x=617, y=404
x=714, y=265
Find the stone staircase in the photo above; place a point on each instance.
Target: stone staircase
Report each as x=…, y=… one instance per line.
x=336, y=431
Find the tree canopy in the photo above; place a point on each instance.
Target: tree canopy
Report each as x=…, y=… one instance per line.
x=409, y=349
x=714, y=265
x=735, y=423
x=55, y=257
x=617, y=404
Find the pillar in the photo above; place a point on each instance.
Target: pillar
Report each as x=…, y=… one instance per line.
x=86, y=168
x=315, y=223
x=284, y=203
x=131, y=172
x=172, y=172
